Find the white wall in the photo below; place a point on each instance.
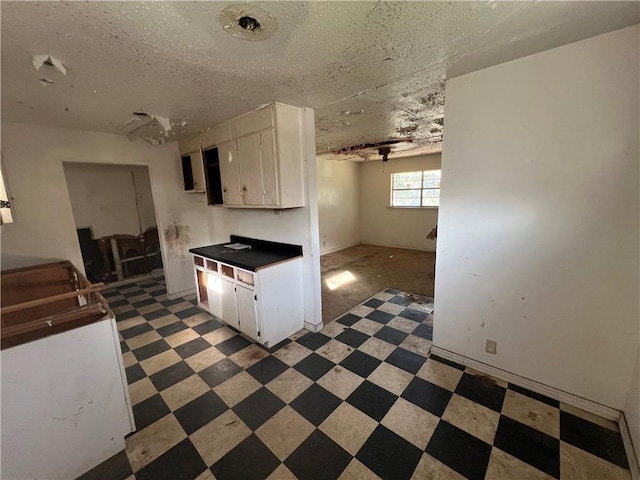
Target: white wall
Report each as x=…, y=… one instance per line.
x=44, y=227
x=632, y=407
x=105, y=198
x=298, y=226
x=394, y=227
x=338, y=204
x=538, y=231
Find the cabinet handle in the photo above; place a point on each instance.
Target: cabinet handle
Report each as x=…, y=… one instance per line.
x=224, y=190
x=244, y=188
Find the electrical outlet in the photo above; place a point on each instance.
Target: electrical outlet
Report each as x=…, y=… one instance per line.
x=492, y=347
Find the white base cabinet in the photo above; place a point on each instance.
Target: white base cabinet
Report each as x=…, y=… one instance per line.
x=65, y=403
x=266, y=305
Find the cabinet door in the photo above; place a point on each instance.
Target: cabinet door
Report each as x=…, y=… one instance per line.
x=250, y=169
x=229, y=173
x=197, y=167
x=229, y=308
x=247, y=315
x=269, y=169
x=214, y=292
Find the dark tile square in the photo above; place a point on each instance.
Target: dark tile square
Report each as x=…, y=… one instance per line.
x=447, y=362
x=401, y=299
x=207, y=327
x=388, y=455
x=459, y=450
x=182, y=462
x=149, y=410
x=314, y=366
x=318, y=458
x=110, y=293
x=536, y=396
x=197, y=413
x=349, y=319
x=126, y=316
x=593, y=438
x=157, y=293
x=360, y=363
x=193, y=301
x=278, y=346
x=171, y=375
x=144, y=303
x=134, y=373
x=172, y=328
x=149, y=284
x=151, y=350
x=156, y=314
x=413, y=314
x=267, y=369
x=191, y=348
x=406, y=360
x=373, y=303
x=115, y=468
x=134, y=293
x=258, y=407
x=135, y=331
x=423, y=331
x=380, y=317
x=428, y=396
x=175, y=301
x=372, y=400
x=315, y=404
x=233, y=345
x=529, y=445
x=189, y=312
x=313, y=341
x=391, y=335
x=118, y=303
x=483, y=390
x=392, y=291
x=250, y=460
x=124, y=348
x=219, y=372
x=352, y=337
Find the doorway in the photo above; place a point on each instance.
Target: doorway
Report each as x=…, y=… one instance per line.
x=115, y=219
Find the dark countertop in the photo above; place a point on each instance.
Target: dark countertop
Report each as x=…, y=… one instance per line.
x=261, y=254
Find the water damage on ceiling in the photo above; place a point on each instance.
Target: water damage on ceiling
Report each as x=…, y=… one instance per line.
x=373, y=71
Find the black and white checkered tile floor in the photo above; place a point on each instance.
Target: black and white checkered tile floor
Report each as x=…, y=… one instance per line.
x=361, y=399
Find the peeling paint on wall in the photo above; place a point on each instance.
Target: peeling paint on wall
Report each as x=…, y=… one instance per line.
x=178, y=239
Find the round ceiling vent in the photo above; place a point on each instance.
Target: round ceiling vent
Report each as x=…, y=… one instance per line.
x=248, y=22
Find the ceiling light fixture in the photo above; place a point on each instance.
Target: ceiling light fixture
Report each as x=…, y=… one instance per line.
x=384, y=153
x=248, y=22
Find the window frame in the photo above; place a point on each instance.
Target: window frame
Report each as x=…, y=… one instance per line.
x=421, y=189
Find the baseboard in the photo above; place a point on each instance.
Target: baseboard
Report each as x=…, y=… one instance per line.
x=628, y=447
x=404, y=247
x=552, y=392
x=183, y=293
x=337, y=249
x=313, y=328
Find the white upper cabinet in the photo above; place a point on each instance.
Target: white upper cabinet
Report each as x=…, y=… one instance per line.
x=262, y=164
x=228, y=155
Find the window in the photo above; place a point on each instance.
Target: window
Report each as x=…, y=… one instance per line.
x=415, y=189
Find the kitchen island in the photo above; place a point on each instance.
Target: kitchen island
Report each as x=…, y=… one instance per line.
x=255, y=286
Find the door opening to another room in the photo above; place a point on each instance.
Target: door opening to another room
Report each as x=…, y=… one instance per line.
x=377, y=224
x=115, y=219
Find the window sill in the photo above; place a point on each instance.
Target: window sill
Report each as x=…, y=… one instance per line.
x=413, y=208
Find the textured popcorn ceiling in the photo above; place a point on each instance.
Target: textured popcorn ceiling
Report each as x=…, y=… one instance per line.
x=373, y=71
